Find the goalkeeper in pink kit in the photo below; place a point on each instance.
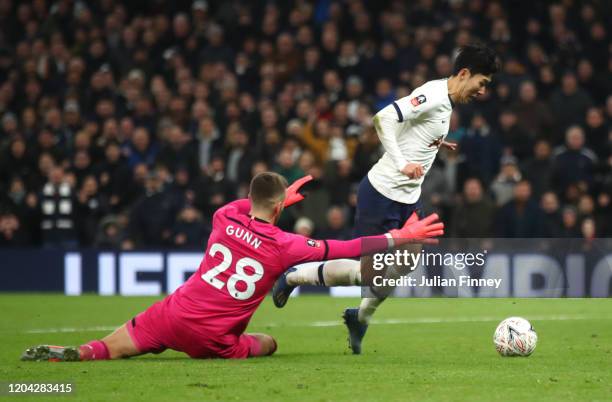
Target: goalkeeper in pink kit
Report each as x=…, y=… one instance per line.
x=207, y=316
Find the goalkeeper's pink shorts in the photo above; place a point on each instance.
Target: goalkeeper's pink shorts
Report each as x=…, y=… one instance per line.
x=155, y=330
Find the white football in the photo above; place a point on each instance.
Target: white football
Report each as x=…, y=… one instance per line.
x=515, y=336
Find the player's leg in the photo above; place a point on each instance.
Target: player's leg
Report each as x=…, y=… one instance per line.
x=114, y=346
x=343, y=272
x=120, y=344
x=375, y=214
x=144, y=333
x=368, y=305
x=260, y=344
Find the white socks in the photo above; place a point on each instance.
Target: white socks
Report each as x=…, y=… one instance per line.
x=331, y=273
x=367, y=307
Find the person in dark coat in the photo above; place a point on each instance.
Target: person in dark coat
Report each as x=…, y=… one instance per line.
x=475, y=215
x=520, y=217
x=573, y=163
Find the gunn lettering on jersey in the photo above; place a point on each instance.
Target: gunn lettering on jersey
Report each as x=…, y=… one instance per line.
x=243, y=234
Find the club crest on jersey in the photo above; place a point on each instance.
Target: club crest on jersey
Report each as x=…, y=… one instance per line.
x=313, y=243
x=418, y=100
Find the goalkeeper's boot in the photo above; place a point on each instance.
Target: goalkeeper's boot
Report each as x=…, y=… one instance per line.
x=282, y=290
x=52, y=353
x=356, y=329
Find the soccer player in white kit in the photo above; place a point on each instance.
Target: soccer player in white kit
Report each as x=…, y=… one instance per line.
x=411, y=130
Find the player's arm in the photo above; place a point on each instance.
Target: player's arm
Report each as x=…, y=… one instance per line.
x=414, y=230
x=388, y=122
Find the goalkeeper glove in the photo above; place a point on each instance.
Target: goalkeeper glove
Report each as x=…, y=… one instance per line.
x=291, y=193
x=418, y=231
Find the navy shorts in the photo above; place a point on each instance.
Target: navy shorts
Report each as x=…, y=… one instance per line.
x=377, y=214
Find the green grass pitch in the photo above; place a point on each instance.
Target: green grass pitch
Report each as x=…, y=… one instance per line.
x=419, y=349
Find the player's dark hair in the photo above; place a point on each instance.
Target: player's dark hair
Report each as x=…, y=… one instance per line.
x=477, y=58
x=267, y=188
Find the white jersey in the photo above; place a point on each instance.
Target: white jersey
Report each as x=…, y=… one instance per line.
x=411, y=130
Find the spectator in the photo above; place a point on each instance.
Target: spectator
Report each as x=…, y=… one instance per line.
x=153, y=215
x=114, y=176
x=11, y=232
x=304, y=226
x=503, y=188
x=538, y=169
x=238, y=155
x=190, y=230
x=482, y=150
x=551, y=216
x=141, y=149
x=574, y=162
x=475, y=214
x=109, y=235
x=178, y=151
x=533, y=116
x=570, y=225
x=520, y=217
x=90, y=206
x=56, y=206
x=209, y=141
x=335, y=227
x=569, y=103
x=515, y=139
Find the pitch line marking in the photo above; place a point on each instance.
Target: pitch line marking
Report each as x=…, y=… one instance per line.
x=390, y=321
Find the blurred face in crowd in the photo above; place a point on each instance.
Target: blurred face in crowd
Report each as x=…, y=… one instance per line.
x=56, y=175
x=335, y=218
x=569, y=217
x=140, y=173
x=522, y=191
x=569, y=84
x=472, y=189
x=507, y=120
x=528, y=92
x=18, y=148
x=45, y=164
x=112, y=153
x=81, y=160
x=588, y=228
x=304, y=227
x=574, y=138
x=153, y=183
x=141, y=139
x=594, y=117
x=550, y=202
x=542, y=150
x=586, y=205
x=285, y=159
x=82, y=141
x=90, y=185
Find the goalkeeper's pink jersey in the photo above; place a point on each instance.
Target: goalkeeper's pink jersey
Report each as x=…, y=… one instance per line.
x=243, y=259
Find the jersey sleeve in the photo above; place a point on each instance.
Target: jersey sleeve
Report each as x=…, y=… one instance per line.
x=417, y=105
x=300, y=249
x=387, y=125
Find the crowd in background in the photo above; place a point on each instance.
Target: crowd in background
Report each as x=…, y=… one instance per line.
x=125, y=124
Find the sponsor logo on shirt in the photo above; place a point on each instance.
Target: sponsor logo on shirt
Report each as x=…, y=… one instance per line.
x=313, y=243
x=418, y=100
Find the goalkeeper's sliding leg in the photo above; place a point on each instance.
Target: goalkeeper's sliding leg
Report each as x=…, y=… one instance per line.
x=114, y=346
x=154, y=331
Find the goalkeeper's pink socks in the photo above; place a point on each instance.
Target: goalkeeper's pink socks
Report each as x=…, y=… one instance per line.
x=94, y=350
